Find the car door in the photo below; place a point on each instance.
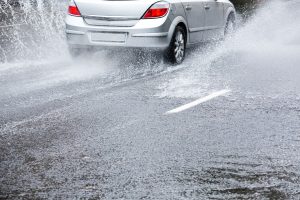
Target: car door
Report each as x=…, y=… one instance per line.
x=214, y=14
x=195, y=15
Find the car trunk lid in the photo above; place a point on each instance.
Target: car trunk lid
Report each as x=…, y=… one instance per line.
x=113, y=12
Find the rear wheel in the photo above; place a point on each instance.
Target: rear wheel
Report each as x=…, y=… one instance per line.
x=230, y=25
x=175, y=54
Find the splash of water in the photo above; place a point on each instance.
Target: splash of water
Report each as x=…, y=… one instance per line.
x=266, y=47
x=32, y=34
x=31, y=30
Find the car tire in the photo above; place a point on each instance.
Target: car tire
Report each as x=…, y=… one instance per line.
x=230, y=25
x=175, y=53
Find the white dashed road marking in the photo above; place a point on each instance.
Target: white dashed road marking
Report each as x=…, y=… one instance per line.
x=198, y=101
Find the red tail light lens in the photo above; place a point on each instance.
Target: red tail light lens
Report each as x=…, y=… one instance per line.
x=158, y=10
x=156, y=13
x=73, y=10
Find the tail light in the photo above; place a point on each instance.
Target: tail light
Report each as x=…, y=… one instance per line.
x=157, y=10
x=73, y=9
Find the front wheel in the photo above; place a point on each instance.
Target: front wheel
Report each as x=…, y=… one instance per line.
x=230, y=25
x=175, y=54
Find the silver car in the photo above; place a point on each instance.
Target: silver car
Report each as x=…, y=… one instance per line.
x=168, y=25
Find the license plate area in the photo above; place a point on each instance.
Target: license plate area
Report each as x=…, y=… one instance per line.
x=108, y=37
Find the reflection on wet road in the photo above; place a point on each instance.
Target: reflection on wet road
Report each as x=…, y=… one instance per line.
x=96, y=128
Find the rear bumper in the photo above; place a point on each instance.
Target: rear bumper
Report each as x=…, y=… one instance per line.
x=149, y=33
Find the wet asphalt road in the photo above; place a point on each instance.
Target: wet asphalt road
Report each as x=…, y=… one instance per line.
x=96, y=128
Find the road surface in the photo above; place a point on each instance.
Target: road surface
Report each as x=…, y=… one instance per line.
x=114, y=125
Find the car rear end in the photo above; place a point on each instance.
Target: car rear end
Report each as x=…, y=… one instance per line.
x=118, y=23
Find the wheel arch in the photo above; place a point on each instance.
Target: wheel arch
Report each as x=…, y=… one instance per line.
x=178, y=21
x=229, y=11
